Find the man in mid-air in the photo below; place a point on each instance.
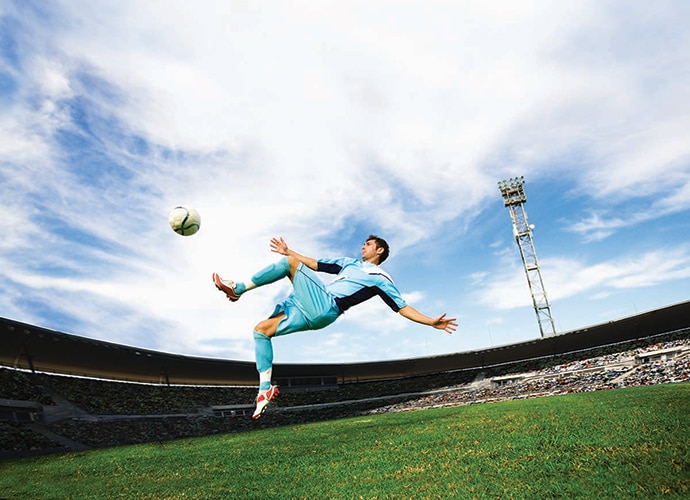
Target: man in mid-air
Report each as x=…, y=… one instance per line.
x=313, y=305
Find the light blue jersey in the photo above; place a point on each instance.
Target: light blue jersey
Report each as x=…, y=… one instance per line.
x=358, y=281
x=313, y=305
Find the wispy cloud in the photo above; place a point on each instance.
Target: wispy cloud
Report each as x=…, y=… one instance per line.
x=567, y=277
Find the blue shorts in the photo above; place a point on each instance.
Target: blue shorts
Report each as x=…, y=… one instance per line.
x=309, y=306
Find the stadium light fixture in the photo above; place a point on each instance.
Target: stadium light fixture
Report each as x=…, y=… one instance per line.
x=514, y=197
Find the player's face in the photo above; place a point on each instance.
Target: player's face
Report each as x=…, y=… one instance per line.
x=369, y=251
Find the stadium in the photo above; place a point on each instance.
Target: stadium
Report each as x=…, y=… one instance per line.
x=71, y=396
x=149, y=146
x=63, y=392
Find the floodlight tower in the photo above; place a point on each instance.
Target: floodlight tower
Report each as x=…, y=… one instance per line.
x=514, y=197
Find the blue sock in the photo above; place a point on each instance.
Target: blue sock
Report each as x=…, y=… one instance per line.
x=274, y=272
x=268, y=274
x=263, y=353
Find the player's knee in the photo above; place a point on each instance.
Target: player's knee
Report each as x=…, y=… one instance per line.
x=293, y=262
x=261, y=328
x=267, y=327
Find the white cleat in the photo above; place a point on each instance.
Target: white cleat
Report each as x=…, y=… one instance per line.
x=227, y=287
x=263, y=399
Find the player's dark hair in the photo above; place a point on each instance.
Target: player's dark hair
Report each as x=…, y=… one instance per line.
x=381, y=243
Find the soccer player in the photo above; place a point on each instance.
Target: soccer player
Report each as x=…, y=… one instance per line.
x=312, y=305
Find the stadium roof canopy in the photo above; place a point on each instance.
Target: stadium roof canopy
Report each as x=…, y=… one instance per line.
x=39, y=349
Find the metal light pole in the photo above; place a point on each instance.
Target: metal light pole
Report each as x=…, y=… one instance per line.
x=514, y=197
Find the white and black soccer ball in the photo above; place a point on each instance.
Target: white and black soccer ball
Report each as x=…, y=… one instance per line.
x=184, y=220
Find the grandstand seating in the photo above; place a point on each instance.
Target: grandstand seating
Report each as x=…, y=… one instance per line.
x=96, y=413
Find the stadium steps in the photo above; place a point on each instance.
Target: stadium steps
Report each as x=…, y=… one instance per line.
x=63, y=408
x=57, y=438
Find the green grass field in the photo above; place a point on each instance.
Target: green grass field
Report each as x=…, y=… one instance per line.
x=624, y=443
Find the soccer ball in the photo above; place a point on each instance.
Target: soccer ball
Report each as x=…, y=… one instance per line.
x=185, y=221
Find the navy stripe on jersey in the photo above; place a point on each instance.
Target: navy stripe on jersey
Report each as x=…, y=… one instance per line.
x=324, y=267
x=358, y=281
x=344, y=303
x=380, y=273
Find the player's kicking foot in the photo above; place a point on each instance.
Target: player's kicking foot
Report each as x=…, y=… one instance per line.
x=227, y=287
x=263, y=399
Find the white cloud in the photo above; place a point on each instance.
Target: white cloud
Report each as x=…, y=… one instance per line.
x=568, y=277
x=312, y=120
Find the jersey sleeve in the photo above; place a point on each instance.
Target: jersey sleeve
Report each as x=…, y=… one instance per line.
x=392, y=296
x=332, y=266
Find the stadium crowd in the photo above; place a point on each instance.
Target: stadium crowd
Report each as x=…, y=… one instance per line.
x=117, y=413
x=660, y=372
x=120, y=398
x=20, y=386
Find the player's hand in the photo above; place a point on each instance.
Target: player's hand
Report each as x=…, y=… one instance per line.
x=278, y=245
x=446, y=324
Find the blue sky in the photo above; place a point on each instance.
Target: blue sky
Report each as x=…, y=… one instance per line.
x=323, y=122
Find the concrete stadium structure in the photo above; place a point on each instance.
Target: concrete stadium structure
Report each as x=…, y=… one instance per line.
x=38, y=349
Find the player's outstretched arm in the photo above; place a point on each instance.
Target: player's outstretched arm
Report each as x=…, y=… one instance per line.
x=448, y=325
x=278, y=245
